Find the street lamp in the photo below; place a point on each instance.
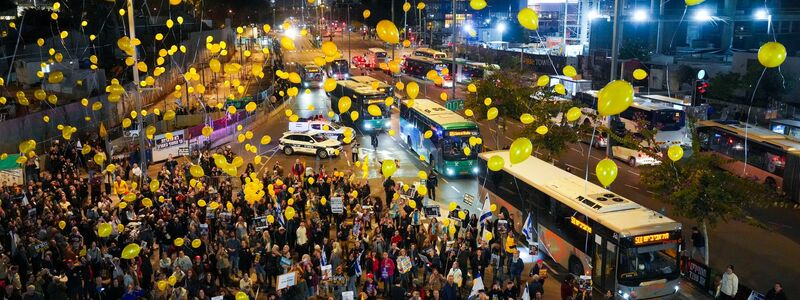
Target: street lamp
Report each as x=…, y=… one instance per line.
x=640, y=15
x=501, y=28
x=763, y=14
x=702, y=15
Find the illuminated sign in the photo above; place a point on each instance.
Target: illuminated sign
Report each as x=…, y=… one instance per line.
x=374, y=101
x=650, y=238
x=462, y=133
x=580, y=224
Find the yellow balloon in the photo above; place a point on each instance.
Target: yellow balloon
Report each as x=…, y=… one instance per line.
x=104, y=230
x=496, y=163
x=154, y=185
x=477, y=4
x=615, y=98
x=366, y=14
x=493, y=207
x=374, y=110
x=573, y=114
x=388, y=32
x=388, y=167
x=329, y=85
x=520, y=150
x=543, y=80
x=468, y=112
x=196, y=243
x=62, y=224
x=542, y=130
x=606, y=171
x=406, y=7
x=462, y=215
x=639, y=74
x=207, y=130
x=526, y=118
x=131, y=251
x=472, y=88
x=560, y=89
x=694, y=2
x=241, y=295
x=422, y=190
x=452, y=206
x=569, y=71
x=422, y=175
x=178, y=242
x=491, y=113
x=354, y=115
x=675, y=152
x=344, y=104
x=147, y=202
x=406, y=43
x=412, y=89
x=771, y=54
x=487, y=236
x=287, y=43
x=487, y=101
x=528, y=18
x=428, y=134
x=421, y=5
x=412, y=203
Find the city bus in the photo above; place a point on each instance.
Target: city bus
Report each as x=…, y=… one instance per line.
x=312, y=76
x=670, y=122
x=788, y=127
x=469, y=71
x=361, y=96
x=382, y=86
x=376, y=56
x=339, y=69
x=451, y=134
x=418, y=66
x=588, y=230
x=772, y=159
x=429, y=53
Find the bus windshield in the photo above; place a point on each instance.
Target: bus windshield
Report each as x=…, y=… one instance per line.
x=380, y=103
x=380, y=54
x=453, y=148
x=648, y=262
x=668, y=120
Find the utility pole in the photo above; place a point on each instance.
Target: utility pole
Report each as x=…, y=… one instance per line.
x=614, y=62
x=393, y=46
x=136, y=95
x=349, y=49
x=455, y=63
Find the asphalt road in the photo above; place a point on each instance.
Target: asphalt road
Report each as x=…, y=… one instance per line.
x=762, y=256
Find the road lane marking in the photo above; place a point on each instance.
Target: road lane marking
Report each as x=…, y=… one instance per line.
x=573, y=167
x=633, y=187
x=634, y=173
x=457, y=191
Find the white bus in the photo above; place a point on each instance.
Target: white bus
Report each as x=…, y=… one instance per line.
x=382, y=86
x=670, y=122
x=375, y=57
x=430, y=53
x=587, y=229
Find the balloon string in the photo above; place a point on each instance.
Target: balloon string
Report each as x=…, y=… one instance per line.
x=747, y=120
x=546, y=53
x=589, y=155
x=683, y=16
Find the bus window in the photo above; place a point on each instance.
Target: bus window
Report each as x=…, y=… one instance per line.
x=453, y=148
x=668, y=120
x=648, y=262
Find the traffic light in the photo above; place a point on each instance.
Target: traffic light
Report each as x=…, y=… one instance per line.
x=700, y=89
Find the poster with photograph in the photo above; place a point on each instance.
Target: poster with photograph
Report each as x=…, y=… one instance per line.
x=286, y=280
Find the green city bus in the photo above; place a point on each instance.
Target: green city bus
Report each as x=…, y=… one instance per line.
x=361, y=96
x=451, y=133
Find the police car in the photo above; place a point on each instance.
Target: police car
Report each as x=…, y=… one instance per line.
x=309, y=143
x=323, y=127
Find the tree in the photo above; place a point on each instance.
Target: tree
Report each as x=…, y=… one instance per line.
x=635, y=49
x=724, y=86
x=698, y=188
x=513, y=96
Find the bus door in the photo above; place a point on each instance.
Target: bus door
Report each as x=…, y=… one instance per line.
x=604, y=264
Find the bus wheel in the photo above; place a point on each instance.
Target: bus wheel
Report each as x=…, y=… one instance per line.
x=575, y=266
x=322, y=153
x=632, y=162
x=770, y=182
x=288, y=150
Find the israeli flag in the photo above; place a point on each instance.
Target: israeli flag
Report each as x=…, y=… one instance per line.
x=324, y=257
x=477, y=286
x=486, y=212
x=525, y=294
x=528, y=230
x=358, y=265
x=279, y=213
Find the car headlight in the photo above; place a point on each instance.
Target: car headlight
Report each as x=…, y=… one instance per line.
x=450, y=172
x=367, y=126
x=387, y=124
x=677, y=287
x=474, y=170
x=625, y=296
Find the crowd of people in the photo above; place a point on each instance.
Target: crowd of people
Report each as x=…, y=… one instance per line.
x=199, y=238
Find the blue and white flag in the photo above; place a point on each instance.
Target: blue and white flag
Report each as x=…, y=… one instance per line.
x=486, y=212
x=358, y=265
x=525, y=294
x=477, y=286
x=279, y=213
x=324, y=257
x=528, y=230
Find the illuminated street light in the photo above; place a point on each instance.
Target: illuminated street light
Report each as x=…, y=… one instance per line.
x=292, y=32
x=594, y=15
x=640, y=15
x=702, y=15
x=501, y=28
x=761, y=14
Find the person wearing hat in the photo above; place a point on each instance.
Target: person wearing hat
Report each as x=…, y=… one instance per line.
x=370, y=288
